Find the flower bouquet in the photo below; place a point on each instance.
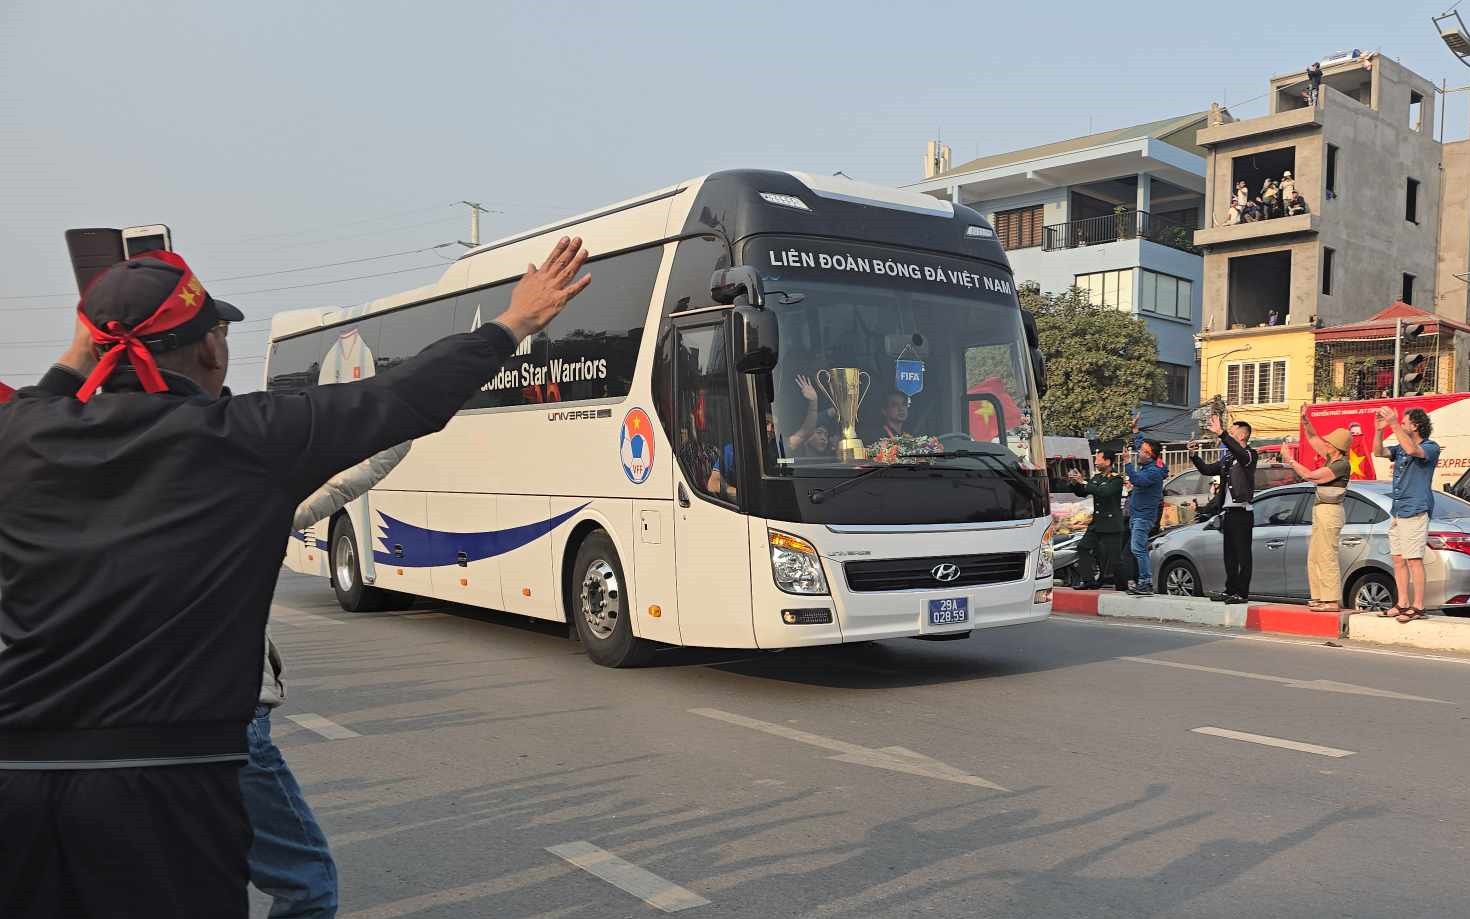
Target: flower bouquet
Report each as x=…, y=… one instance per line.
x=903, y=446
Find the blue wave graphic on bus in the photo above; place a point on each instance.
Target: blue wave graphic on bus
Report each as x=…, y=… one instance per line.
x=301, y=535
x=423, y=548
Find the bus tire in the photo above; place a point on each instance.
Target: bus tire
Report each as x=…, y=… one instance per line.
x=352, y=594
x=598, y=604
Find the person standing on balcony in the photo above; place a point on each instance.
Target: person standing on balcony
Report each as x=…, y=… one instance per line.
x=1324, y=569
x=1236, y=470
x=1314, y=82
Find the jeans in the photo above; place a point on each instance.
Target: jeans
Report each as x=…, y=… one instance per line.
x=289, y=859
x=1138, y=529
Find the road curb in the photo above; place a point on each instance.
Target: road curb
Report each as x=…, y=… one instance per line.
x=1293, y=620
x=1437, y=633
x=1280, y=618
x=1076, y=602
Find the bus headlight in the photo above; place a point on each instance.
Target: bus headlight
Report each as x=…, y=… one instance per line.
x=795, y=565
x=1044, y=567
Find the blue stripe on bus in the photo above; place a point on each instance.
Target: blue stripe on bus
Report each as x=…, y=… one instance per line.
x=301, y=535
x=424, y=548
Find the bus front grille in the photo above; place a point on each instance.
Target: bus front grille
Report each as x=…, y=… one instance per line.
x=919, y=573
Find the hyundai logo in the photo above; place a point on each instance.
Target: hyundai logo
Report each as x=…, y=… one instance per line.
x=946, y=572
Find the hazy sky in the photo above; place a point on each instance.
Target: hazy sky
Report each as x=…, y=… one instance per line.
x=272, y=136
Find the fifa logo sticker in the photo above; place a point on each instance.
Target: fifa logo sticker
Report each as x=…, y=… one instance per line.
x=635, y=446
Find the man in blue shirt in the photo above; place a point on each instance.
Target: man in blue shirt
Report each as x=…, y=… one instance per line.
x=1414, y=458
x=1143, y=504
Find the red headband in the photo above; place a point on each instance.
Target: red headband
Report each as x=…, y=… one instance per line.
x=178, y=307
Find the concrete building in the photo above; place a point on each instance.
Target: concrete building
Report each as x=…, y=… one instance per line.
x=1111, y=213
x=1384, y=223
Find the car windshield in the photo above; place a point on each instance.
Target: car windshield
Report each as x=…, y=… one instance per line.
x=1449, y=507
x=895, y=357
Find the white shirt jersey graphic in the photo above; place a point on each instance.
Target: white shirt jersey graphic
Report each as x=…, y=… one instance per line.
x=348, y=360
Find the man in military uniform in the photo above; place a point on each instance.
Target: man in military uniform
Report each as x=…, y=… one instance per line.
x=1100, y=550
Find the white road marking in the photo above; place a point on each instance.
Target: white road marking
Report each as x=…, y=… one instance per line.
x=288, y=616
x=894, y=759
x=331, y=730
x=1289, y=682
x=1220, y=634
x=1274, y=742
x=628, y=877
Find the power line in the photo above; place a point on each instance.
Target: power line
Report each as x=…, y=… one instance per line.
x=247, y=293
x=339, y=225
x=262, y=274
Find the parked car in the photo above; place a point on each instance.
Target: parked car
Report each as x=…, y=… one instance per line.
x=1193, y=487
x=1189, y=560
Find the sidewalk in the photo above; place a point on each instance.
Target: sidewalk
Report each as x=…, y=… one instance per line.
x=1437, y=633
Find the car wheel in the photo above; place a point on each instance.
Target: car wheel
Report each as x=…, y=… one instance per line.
x=1180, y=579
x=353, y=594
x=599, y=605
x=1372, y=592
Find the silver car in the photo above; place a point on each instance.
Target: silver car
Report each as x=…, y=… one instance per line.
x=1188, y=560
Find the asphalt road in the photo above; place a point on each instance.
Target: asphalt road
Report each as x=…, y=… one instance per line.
x=487, y=768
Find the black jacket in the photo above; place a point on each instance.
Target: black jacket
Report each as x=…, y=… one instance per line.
x=1237, y=472
x=141, y=536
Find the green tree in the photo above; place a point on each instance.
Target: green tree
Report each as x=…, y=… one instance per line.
x=1100, y=363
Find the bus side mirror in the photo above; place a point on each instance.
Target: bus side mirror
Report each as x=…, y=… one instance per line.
x=740, y=286
x=1033, y=344
x=756, y=336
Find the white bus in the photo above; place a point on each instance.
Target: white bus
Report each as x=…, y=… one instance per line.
x=652, y=468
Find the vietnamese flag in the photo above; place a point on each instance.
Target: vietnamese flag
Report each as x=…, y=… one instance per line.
x=984, y=426
x=6, y=393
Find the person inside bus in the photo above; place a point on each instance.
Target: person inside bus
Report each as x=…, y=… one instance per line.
x=894, y=415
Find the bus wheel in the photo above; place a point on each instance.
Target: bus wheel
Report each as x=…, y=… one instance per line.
x=598, y=604
x=352, y=594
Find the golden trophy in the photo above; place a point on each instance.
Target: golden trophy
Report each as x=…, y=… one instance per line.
x=846, y=387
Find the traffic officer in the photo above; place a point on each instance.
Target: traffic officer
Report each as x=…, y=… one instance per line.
x=1099, y=552
x=143, y=516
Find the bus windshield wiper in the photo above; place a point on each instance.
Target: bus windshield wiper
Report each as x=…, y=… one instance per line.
x=1013, y=473
x=819, y=495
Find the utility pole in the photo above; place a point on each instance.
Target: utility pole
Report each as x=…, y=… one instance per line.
x=475, y=211
x=1398, y=352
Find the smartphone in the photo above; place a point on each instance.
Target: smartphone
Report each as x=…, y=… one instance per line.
x=93, y=251
x=150, y=238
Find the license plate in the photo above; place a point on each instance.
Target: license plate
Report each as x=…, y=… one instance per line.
x=949, y=611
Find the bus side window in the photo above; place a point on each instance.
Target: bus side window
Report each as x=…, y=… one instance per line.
x=295, y=362
x=706, y=424
x=694, y=261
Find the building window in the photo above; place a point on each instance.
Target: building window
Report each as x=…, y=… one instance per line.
x=1411, y=202
x=1331, y=171
x=1256, y=383
x=1327, y=255
x=1165, y=295
x=1109, y=288
x=1173, y=387
x=1019, y=228
x=1416, y=111
x=1408, y=294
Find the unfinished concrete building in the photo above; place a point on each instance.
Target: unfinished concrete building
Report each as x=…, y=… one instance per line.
x=1365, y=161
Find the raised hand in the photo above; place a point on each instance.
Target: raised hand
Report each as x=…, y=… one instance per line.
x=544, y=292
x=808, y=391
x=81, y=354
x=1214, y=426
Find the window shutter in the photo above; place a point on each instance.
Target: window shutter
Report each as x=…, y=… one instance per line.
x=1232, y=384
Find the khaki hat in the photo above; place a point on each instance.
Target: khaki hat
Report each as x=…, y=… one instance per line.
x=1340, y=439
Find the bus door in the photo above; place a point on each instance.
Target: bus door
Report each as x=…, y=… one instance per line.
x=711, y=538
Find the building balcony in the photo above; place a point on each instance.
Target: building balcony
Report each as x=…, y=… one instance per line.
x=1093, y=231
x=1260, y=229
x=1255, y=128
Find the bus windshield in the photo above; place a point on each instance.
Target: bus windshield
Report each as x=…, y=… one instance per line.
x=896, y=358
